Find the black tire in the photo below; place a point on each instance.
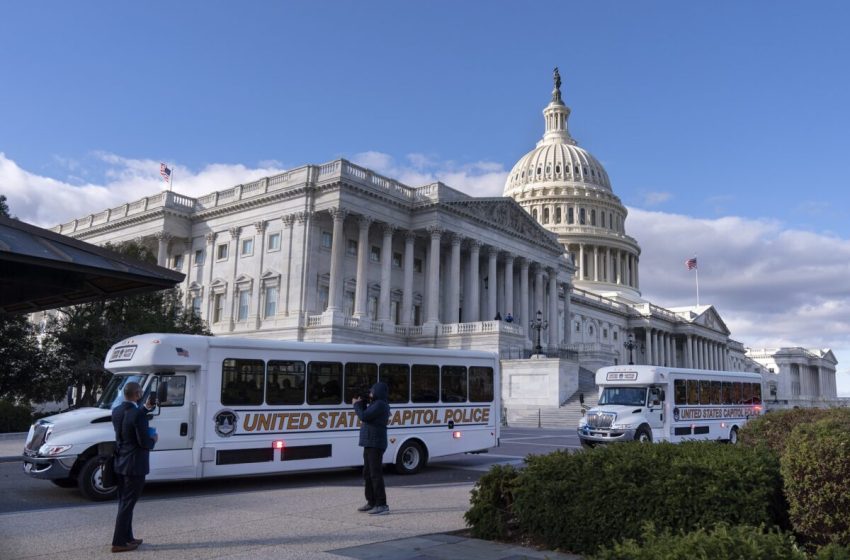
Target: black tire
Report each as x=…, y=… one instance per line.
x=90, y=481
x=410, y=459
x=64, y=482
x=733, y=436
x=643, y=435
x=588, y=444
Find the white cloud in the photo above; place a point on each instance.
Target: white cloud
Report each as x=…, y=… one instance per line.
x=654, y=198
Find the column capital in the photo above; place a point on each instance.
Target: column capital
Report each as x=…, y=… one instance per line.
x=260, y=226
x=288, y=219
x=524, y=263
x=163, y=236
x=337, y=213
x=474, y=244
x=435, y=231
x=303, y=216
x=388, y=229
x=409, y=235
x=509, y=257
x=457, y=239
x=210, y=237
x=235, y=232
x=364, y=221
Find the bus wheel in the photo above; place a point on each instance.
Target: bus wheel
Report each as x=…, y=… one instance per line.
x=643, y=435
x=588, y=444
x=90, y=481
x=64, y=482
x=733, y=436
x=410, y=458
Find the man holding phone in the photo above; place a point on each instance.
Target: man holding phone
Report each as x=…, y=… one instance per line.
x=133, y=442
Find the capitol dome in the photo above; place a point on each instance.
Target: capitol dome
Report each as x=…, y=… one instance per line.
x=568, y=192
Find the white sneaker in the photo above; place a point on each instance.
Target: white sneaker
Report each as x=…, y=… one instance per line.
x=380, y=510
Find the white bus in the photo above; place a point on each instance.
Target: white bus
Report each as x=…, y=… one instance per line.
x=235, y=407
x=654, y=403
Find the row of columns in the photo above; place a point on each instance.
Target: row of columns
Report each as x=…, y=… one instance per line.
x=815, y=381
x=606, y=264
x=699, y=352
x=602, y=219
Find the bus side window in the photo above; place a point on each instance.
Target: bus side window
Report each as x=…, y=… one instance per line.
x=424, y=383
x=748, y=393
x=397, y=378
x=727, y=392
x=324, y=383
x=480, y=384
x=285, y=382
x=680, y=389
x=715, y=392
x=453, y=384
x=693, y=391
x=242, y=381
x=359, y=377
x=176, y=391
x=756, y=393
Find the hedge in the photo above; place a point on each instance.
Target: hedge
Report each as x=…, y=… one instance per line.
x=580, y=501
x=816, y=469
x=719, y=543
x=491, y=515
x=772, y=430
x=14, y=418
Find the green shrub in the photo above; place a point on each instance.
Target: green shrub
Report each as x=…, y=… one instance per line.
x=720, y=543
x=816, y=475
x=491, y=515
x=833, y=551
x=14, y=418
x=772, y=430
x=580, y=501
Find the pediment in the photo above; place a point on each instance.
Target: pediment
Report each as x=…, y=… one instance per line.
x=507, y=215
x=269, y=274
x=711, y=319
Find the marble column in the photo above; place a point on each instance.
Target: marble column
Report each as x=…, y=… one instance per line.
x=648, y=344
x=209, y=261
x=162, y=239
x=617, y=267
x=407, y=288
x=454, y=281
x=595, y=263
x=335, y=285
x=492, y=283
x=553, y=309
x=386, y=274
x=538, y=290
x=580, y=261
x=524, y=318
x=509, y=284
x=433, y=315
x=567, y=321
x=361, y=287
x=235, y=233
x=260, y=243
x=474, y=303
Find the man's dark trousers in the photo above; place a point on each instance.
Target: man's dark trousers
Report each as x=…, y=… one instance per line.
x=129, y=491
x=373, y=475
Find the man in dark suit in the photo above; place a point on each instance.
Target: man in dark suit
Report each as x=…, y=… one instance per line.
x=132, y=461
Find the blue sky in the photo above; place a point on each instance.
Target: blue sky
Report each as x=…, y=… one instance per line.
x=723, y=125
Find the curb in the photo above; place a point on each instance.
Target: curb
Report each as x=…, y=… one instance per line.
x=13, y=435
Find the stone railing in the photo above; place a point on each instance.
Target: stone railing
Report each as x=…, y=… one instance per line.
x=165, y=199
x=582, y=347
x=649, y=310
x=481, y=327
x=600, y=300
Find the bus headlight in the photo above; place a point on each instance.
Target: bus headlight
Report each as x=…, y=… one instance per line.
x=622, y=426
x=52, y=450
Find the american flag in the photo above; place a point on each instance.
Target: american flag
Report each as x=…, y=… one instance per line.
x=182, y=352
x=691, y=263
x=165, y=172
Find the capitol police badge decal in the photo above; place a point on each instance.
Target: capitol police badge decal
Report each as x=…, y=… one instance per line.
x=225, y=422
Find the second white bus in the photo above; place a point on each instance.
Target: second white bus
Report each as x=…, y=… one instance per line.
x=236, y=407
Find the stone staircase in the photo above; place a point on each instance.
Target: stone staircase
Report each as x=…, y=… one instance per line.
x=565, y=416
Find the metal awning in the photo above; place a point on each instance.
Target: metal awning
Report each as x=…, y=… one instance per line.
x=40, y=269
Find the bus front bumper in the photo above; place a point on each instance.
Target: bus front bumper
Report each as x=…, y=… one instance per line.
x=48, y=468
x=602, y=435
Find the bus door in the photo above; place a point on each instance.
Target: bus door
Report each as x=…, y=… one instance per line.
x=175, y=415
x=655, y=408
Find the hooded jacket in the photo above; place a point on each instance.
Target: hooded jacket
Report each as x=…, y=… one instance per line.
x=374, y=418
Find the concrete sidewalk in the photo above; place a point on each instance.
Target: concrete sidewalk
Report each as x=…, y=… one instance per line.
x=286, y=523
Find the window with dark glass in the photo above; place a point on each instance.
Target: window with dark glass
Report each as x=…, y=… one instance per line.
x=756, y=393
x=242, y=382
x=736, y=393
x=453, y=384
x=480, y=384
x=693, y=391
x=359, y=378
x=727, y=393
x=748, y=393
x=397, y=378
x=176, y=393
x=424, y=383
x=285, y=382
x=324, y=383
x=705, y=392
x=715, y=392
x=680, y=388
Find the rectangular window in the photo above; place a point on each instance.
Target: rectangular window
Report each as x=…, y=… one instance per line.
x=480, y=384
x=199, y=256
x=351, y=248
x=417, y=265
x=348, y=304
x=715, y=392
x=693, y=391
x=270, y=309
x=324, y=383
x=756, y=393
x=736, y=393
x=218, y=307
x=373, y=307
x=680, y=388
x=359, y=379
x=375, y=254
x=177, y=262
x=397, y=378
x=244, y=303
x=327, y=240
x=727, y=392
x=323, y=298
x=274, y=242
x=570, y=216
x=417, y=315
x=748, y=393
x=394, y=312
x=425, y=383
x=285, y=382
x=221, y=252
x=397, y=259
x=705, y=392
x=196, y=305
x=453, y=384
x=242, y=382
x=248, y=247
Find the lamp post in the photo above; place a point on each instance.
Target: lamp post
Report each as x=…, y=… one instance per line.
x=630, y=345
x=538, y=325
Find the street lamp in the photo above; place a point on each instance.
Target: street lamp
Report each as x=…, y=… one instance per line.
x=630, y=345
x=539, y=325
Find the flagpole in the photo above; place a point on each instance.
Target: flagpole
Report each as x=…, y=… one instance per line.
x=171, y=180
x=696, y=268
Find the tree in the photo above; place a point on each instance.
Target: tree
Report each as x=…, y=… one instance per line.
x=4, y=207
x=27, y=373
x=84, y=333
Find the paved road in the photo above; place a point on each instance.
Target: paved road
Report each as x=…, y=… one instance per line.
x=22, y=493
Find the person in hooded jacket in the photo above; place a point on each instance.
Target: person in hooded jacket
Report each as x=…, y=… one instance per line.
x=374, y=417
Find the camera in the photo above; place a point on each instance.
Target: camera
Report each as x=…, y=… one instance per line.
x=362, y=393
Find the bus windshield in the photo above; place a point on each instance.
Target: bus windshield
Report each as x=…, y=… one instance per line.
x=114, y=393
x=627, y=396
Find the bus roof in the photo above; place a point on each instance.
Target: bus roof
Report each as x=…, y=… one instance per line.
x=644, y=375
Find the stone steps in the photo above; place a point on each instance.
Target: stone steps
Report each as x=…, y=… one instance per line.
x=565, y=416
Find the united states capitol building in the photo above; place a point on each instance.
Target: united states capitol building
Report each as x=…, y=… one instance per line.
x=338, y=253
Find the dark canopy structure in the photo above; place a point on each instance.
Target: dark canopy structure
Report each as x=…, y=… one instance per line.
x=40, y=269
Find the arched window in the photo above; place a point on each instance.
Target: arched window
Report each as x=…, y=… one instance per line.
x=602, y=217
x=581, y=216
x=593, y=217
x=558, y=215
x=545, y=215
x=534, y=213
x=548, y=170
x=570, y=216
x=610, y=220
x=538, y=170
x=558, y=169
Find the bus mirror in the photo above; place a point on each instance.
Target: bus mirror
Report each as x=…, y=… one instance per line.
x=162, y=392
x=662, y=396
x=581, y=398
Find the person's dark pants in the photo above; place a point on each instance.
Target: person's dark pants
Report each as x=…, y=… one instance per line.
x=373, y=476
x=129, y=491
